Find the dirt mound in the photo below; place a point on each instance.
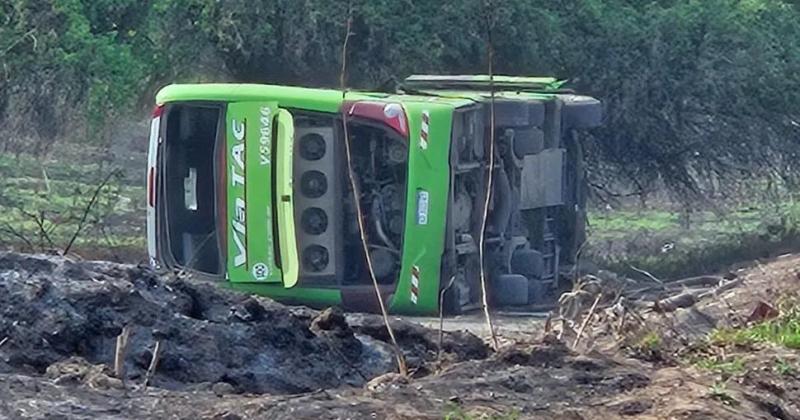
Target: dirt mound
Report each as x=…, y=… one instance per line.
x=539, y=381
x=421, y=344
x=61, y=318
x=53, y=309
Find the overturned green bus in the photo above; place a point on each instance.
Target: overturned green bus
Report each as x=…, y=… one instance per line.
x=248, y=185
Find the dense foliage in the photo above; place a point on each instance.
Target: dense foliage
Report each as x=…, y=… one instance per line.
x=695, y=89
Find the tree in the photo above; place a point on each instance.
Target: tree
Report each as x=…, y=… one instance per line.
x=693, y=89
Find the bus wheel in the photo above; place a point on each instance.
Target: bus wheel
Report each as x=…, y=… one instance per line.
x=454, y=296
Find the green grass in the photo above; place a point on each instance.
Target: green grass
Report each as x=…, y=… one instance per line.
x=456, y=412
x=732, y=337
x=43, y=200
x=625, y=221
x=719, y=391
x=784, y=368
x=650, y=342
x=661, y=242
x=726, y=366
x=783, y=330
x=59, y=187
x=725, y=352
x=650, y=347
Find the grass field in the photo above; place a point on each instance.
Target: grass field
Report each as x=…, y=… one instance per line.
x=43, y=201
x=783, y=330
x=675, y=243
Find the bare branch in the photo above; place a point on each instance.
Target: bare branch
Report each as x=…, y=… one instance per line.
x=151, y=370
x=441, y=313
x=120, y=351
x=586, y=321
x=88, y=209
x=19, y=40
x=489, y=15
x=650, y=276
x=401, y=361
x=17, y=234
x=40, y=220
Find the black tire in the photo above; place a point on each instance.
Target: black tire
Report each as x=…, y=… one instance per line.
x=537, y=291
x=451, y=301
x=527, y=262
x=510, y=290
x=581, y=112
x=509, y=113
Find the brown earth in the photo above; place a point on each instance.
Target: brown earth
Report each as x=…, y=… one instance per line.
x=230, y=356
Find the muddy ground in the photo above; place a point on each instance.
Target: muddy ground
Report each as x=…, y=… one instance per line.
x=231, y=356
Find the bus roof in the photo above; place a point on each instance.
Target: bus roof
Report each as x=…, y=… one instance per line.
x=323, y=100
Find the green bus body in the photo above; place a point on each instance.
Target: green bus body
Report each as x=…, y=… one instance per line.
x=260, y=247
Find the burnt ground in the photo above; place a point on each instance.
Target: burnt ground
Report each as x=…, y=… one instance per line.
x=232, y=356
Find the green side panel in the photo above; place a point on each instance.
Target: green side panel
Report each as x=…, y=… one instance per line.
x=417, y=291
x=250, y=229
x=321, y=100
x=301, y=296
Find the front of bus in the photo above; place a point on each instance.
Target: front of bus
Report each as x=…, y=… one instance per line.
x=214, y=186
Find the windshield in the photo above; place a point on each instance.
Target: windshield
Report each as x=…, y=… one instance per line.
x=329, y=244
x=189, y=185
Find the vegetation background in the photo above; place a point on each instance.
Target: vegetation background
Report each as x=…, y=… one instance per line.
x=702, y=100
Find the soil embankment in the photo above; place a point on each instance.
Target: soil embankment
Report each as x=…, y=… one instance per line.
x=230, y=356
x=57, y=312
